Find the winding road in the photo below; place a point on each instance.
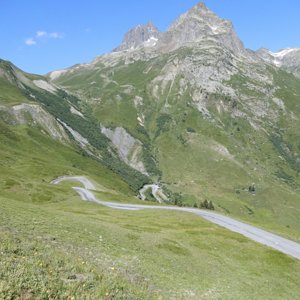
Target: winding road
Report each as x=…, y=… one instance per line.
x=274, y=241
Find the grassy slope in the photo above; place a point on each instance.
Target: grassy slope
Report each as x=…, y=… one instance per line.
x=189, y=164
x=10, y=95
x=62, y=247
x=31, y=160
x=72, y=248
x=17, y=87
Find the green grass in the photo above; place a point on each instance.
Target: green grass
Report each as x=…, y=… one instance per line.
x=201, y=173
x=31, y=160
x=60, y=246
x=74, y=248
x=10, y=95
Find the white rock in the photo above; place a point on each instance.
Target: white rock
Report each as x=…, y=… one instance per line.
x=44, y=85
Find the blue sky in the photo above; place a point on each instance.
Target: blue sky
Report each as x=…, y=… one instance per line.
x=42, y=35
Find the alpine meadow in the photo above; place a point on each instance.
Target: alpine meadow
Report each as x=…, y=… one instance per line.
x=185, y=146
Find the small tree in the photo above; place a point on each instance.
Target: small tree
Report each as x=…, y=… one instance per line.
x=177, y=199
x=252, y=188
x=207, y=204
x=210, y=205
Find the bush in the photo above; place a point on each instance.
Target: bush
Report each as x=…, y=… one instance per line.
x=210, y=205
x=191, y=130
x=162, y=123
x=251, y=188
x=207, y=205
x=178, y=199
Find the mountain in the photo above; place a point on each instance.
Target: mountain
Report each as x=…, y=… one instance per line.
x=188, y=114
x=288, y=59
x=198, y=25
x=200, y=104
x=142, y=35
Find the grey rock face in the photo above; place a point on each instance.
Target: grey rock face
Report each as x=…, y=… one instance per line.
x=291, y=61
x=130, y=150
x=265, y=55
x=142, y=34
x=198, y=25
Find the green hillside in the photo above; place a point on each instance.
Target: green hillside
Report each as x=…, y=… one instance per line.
x=215, y=156
x=62, y=247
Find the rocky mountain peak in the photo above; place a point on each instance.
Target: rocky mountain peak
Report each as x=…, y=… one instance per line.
x=201, y=6
x=146, y=35
x=200, y=9
x=198, y=24
x=191, y=29
x=200, y=17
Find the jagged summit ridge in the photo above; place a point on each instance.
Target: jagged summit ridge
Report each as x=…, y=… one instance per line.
x=198, y=29
x=146, y=35
x=288, y=59
x=277, y=58
x=191, y=28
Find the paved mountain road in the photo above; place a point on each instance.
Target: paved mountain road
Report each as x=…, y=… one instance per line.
x=274, y=241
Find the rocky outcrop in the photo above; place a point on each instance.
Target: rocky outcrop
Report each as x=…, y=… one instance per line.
x=44, y=85
x=83, y=142
x=34, y=115
x=129, y=149
x=156, y=191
